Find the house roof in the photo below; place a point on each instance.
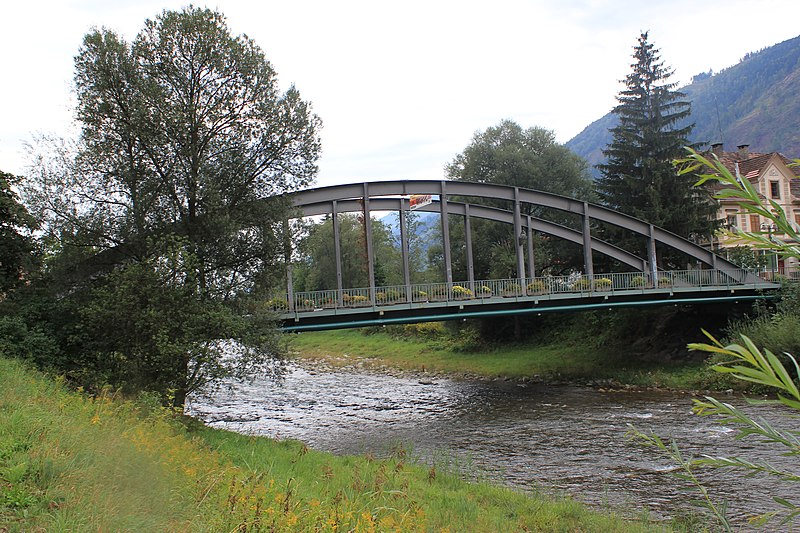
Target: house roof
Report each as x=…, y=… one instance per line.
x=751, y=165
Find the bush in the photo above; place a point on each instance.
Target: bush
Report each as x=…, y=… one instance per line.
x=512, y=289
x=419, y=296
x=438, y=292
x=779, y=333
x=425, y=330
x=18, y=341
x=354, y=299
x=278, y=304
x=664, y=282
x=467, y=339
x=582, y=284
x=602, y=284
x=393, y=295
x=637, y=282
x=483, y=291
x=461, y=292
x=537, y=287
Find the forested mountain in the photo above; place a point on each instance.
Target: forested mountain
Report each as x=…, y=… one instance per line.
x=755, y=102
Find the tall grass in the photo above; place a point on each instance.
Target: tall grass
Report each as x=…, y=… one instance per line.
x=73, y=463
x=778, y=333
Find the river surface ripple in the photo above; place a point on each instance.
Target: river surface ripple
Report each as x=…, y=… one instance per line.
x=525, y=435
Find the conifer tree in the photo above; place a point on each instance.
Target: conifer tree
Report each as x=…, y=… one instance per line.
x=639, y=177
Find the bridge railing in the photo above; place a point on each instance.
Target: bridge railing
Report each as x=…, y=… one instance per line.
x=538, y=287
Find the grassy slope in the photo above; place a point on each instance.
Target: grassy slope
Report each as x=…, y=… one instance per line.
x=71, y=463
x=574, y=361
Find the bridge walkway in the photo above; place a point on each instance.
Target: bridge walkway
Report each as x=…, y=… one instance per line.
x=334, y=309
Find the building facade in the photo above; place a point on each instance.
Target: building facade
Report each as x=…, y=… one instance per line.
x=775, y=178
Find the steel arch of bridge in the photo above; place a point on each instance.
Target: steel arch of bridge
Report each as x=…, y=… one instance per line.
x=388, y=196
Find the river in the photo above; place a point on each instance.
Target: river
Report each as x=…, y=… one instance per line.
x=529, y=436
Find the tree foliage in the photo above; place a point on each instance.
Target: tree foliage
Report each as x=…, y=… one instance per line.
x=317, y=268
x=507, y=154
x=639, y=178
x=183, y=131
x=187, y=147
x=16, y=245
x=531, y=158
x=746, y=257
x=157, y=335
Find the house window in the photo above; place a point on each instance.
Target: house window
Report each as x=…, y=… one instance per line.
x=755, y=223
x=775, y=189
x=730, y=219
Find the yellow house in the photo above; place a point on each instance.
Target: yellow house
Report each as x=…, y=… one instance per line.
x=774, y=179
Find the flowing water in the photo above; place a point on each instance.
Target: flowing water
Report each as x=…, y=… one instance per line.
x=525, y=435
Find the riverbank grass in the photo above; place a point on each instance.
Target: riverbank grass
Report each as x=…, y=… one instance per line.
x=550, y=361
x=73, y=463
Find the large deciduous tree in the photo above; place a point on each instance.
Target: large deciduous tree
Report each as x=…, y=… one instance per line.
x=16, y=223
x=317, y=269
x=639, y=177
x=507, y=154
x=187, y=149
x=531, y=158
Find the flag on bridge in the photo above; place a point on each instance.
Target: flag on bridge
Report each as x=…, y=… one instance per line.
x=420, y=200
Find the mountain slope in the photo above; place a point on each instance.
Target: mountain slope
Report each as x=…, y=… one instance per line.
x=755, y=102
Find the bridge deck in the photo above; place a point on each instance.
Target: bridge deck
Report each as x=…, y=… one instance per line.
x=407, y=304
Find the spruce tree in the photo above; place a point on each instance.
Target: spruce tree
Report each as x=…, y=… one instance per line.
x=639, y=177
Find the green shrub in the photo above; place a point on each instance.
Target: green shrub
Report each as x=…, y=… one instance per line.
x=778, y=333
x=461, y=292
x=278, y=304
x=393, y=295
x=602, y=284
x=664, y=282
x=582, y=284
x=483, y=291
x=512, y=289
x=466, y=340
x=425, y=330
x=537, y=287
x=419, y=296
x=637, y=281
x=354, y=299
x=438, y=292
x=18, y=341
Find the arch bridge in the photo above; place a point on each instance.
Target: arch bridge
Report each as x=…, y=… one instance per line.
x=644, y=283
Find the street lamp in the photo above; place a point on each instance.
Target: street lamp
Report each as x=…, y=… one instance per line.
x=770, y=229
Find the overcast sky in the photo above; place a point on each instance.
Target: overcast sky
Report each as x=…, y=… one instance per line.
x=401, y=87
